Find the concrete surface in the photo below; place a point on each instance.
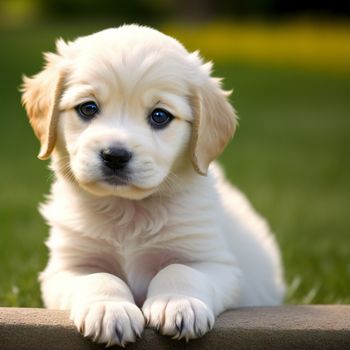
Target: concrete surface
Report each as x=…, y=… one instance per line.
x=286, y=327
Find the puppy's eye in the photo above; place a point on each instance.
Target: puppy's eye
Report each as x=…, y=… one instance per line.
x=160, y=118
x=87, y=110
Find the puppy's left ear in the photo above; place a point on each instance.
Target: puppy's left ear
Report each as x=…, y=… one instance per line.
x=40, y=98
x=214, y=121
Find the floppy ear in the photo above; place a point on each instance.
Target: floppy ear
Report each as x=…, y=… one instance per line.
x=40, y=98
x=214, y=121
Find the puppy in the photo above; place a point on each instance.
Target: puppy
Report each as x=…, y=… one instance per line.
x=144, y=229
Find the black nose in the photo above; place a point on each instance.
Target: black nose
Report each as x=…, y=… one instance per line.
x=115, y=158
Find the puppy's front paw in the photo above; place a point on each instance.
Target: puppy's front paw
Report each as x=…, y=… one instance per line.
x=111, y=322
x=178, y=316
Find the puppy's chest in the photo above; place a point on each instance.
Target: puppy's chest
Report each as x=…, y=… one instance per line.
x=143, y=244
x=141, y=267
x=142, y=248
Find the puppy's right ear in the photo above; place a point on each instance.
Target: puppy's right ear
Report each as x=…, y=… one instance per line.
x=41, y=95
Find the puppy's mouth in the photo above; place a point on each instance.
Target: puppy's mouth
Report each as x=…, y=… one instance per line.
x=123, y=179
x=116, y=180
x=116, y=176
x=120, y=185
x=123, y=186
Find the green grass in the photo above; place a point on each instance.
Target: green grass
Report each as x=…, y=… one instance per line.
x=290, y=156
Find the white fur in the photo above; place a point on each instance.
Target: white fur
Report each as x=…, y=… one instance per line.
x=173, y=247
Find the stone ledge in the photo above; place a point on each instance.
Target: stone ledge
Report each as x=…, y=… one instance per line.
x=285, y=327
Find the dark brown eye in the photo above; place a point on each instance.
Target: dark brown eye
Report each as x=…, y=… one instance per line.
x=160, y=118
x=87, y=110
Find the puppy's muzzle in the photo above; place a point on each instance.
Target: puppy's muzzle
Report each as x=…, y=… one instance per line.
x=115, y=158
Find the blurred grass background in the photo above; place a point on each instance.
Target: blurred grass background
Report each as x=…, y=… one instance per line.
x=289, y=67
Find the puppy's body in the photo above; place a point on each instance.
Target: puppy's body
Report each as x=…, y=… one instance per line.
x=155, y=234
x=136, y=239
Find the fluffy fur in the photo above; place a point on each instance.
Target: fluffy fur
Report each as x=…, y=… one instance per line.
x=169, y=247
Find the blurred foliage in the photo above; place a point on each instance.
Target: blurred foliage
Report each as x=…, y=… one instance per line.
x=158, y=11
x=301, y=44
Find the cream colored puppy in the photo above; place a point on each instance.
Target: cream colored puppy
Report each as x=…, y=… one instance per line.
x=142, y=232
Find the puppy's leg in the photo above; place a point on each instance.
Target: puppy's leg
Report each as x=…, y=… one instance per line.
x=101, y=305
x=183, y=300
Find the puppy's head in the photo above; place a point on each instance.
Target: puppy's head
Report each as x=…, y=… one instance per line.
x=124, y=109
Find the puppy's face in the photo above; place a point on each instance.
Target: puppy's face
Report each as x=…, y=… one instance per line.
x=123, y=111
x=124, y=122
